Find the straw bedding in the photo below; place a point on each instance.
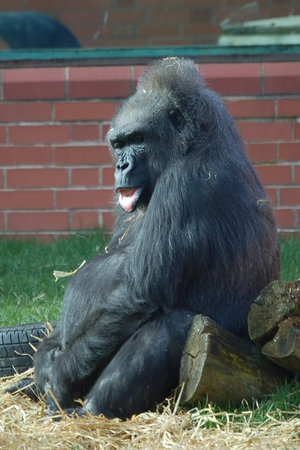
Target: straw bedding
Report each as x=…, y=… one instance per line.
x=25, y=425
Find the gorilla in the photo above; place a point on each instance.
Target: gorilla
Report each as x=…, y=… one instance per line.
x=194, y=233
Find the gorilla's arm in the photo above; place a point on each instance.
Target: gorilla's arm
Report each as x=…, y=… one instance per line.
x=92, y=333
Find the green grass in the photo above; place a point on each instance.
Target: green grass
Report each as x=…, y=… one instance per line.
x=281, y=406
x=290, y=259
x=28, y=291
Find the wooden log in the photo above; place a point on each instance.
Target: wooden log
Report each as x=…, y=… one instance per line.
x=224, y=368
x=276, y=302
x=274, y=323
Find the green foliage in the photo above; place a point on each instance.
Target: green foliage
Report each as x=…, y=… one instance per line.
x=290, y=259
x=28, y=291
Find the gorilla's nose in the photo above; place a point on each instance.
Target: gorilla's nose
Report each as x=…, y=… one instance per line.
x=126, y=163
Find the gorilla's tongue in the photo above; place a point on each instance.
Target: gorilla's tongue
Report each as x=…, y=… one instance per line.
x=128, y=197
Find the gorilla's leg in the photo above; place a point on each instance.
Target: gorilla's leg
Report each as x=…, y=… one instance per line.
x=145, y=370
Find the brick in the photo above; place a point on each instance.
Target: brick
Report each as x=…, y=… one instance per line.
x=33, y=84
x=34, y=178
x=35, y=134
x=265, y=131
x=74, y=4
x=24, y=199
x=297, y=130
x=130, y=16
x=79, y=155
x=240, y=3
x=26, y=112
x=38, y=221
x=251, y=108
x=104, y=130
x=39, y=235
x=200, y=15
x=281, y=78
x=11, y=5
x=2, y=135
x=82, y=111
x=2, y=221
x=99, y=82
x=108, y=176
x=274, y=174
x=85, y=133
x=137, y=72
x=1, y=178
x=81, y=17
x=158, y=30
x=297, y=174
x=125, y=3
x=277, y=11
x=209, y=3
x=126, y=30
x=85, y=177
x=169, y=3
x=91, y=34
x=289, y=107
x=196, y=29
x=121, y=42
x=259, y=152
x=285, y=217
x=89, y=198
x=84, y=219
x=108, y=220
x=233, y=79
x=289, y=196
x=272, y=194
x=174, y=41
x=47, y=6
x=289, y=151
x=11, y=156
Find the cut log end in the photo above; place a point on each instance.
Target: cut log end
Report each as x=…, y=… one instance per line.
x=224, y=368
x=274, y=323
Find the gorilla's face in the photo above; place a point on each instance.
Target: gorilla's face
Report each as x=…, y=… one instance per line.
x=148, y=134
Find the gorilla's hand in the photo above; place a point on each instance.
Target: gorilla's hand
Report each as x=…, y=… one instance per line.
x=26, y=386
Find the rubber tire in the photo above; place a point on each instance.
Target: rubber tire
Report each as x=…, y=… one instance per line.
x=16, y=353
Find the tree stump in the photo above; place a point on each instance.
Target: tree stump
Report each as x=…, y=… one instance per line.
x=274, y=323
x=224, y=368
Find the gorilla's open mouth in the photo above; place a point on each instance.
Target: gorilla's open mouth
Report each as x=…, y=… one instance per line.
x=129, y=197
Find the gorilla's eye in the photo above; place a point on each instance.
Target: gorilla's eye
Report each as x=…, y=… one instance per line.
x=137, y=139
x=176, y=118
x=117, y=144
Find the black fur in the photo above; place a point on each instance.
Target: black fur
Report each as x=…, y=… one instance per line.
x=200, y=238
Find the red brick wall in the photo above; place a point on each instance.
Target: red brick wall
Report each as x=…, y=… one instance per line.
x=56, y=172
x=135, y=23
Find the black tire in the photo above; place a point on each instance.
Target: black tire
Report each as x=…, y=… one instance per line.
x=16, y=353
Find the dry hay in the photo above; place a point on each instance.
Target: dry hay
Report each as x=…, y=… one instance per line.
x=24, y=425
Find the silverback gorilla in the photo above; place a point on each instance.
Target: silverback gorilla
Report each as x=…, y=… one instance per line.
x=195, y=233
